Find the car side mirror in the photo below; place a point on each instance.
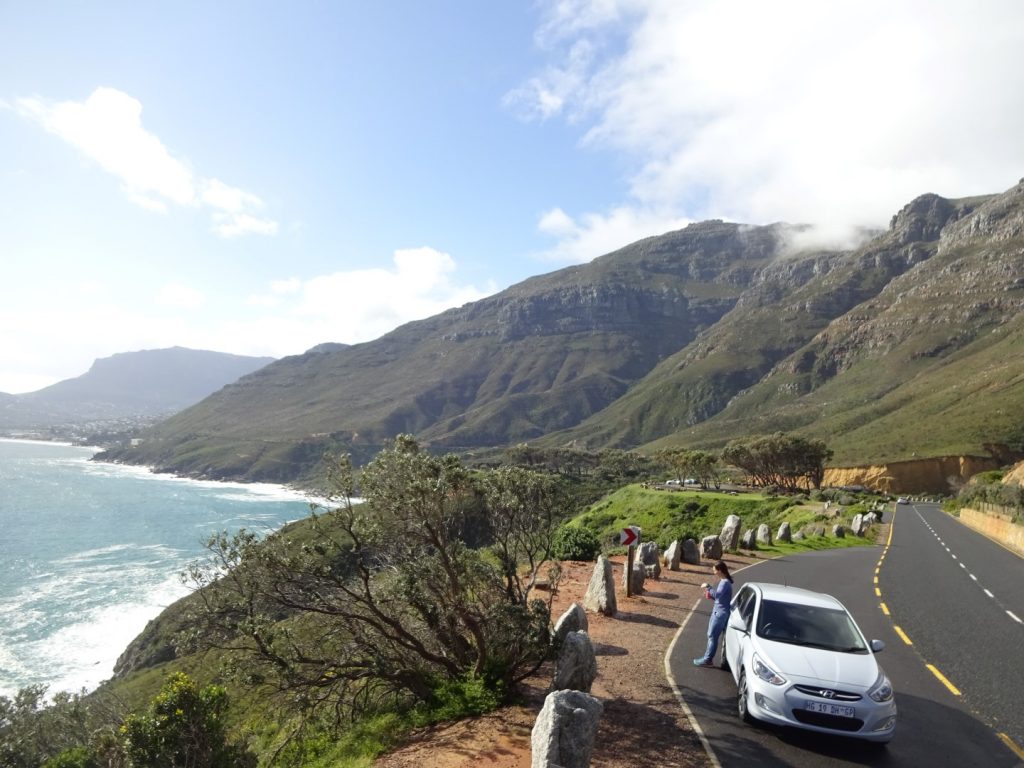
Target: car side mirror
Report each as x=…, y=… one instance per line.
x=739, y=626
x=877, y=645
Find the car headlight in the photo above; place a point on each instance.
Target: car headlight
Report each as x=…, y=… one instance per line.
x=765, y=672
x=882, y=689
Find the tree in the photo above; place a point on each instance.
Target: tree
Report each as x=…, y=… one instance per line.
x=700, y=465
x=33, y=730
x=387, y=600
x=524, y=509
x=787, y=461
x=184, y=728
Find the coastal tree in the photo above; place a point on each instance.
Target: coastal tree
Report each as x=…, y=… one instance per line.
x=34, y=728
x=386, y=601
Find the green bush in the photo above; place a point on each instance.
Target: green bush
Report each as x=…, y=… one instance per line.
x=468, y=696
x=184, y=727
x=573, y=542
x=77, y=757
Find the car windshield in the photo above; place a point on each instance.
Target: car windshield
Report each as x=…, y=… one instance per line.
x=810, y=625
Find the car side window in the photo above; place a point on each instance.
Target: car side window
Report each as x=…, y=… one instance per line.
x=748, y=609
x=744, y=604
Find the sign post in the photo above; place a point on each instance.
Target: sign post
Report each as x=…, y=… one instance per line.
x=630, y=536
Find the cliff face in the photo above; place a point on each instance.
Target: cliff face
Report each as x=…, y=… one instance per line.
x=1015, y=475
x=937, y=475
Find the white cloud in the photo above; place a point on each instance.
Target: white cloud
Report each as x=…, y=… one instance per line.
x=279, y=289
x=290, y=285
x=363, y=304
x=594, y=234
x=229, y=225
x=107, y=128
x=229, y=199
x=180, y=296
x=833, y=113
x=546, y=95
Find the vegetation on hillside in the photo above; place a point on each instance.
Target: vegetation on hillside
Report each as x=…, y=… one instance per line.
x=989, y=488
x=665, y=515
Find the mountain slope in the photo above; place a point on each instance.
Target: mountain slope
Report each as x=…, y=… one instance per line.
x=793, y=299
x=932, y=365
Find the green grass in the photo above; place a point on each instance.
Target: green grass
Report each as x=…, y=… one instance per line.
x=664, y=516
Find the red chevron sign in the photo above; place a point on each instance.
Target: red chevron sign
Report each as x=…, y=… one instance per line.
x=629, y=536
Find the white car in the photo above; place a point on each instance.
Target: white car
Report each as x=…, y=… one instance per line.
x=902, y=500
x=799, y=659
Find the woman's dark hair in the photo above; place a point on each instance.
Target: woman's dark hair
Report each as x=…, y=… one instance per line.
x=723, y=569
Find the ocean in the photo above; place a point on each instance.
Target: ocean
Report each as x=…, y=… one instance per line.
x=90, y=552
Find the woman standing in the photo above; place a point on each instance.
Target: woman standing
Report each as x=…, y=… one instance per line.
x=722, y=595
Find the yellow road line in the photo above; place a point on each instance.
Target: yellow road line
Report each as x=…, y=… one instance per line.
x=902, y=634
x=943, y=680
x=885, y=609
x=1011, y=744
x=876, y=579
x=878, y=592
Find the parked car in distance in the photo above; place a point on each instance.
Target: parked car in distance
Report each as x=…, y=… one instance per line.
x=799, y=659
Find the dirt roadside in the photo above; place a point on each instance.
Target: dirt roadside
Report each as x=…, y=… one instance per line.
x=643, y=722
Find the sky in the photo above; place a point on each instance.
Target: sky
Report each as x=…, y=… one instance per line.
x=258, y=178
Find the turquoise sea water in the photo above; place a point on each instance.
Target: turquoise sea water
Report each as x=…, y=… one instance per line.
x=90, y=552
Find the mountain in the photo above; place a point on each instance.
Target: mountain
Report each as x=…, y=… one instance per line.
x=931, y=365
x=131, y=385
x=692, y=337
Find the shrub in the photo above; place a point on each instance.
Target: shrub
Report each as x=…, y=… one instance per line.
x=988, y=478
x=468, y=696
x=572, y=542
x=184, y=727
x=76, y=757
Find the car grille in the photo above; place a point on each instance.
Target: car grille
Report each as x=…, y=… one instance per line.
x=828, y=693
x=834, y=722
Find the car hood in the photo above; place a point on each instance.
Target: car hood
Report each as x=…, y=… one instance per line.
x=814, y=666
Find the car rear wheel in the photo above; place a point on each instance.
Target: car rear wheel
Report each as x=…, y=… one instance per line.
x=742, y=708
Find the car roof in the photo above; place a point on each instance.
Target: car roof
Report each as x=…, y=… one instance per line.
x=786, y=594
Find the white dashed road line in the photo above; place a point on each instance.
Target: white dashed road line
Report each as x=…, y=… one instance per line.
x=960, y=562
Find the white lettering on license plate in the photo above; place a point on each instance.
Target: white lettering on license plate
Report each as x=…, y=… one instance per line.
x=830, y=709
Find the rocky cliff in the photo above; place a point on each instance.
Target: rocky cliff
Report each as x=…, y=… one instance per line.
x=936, y=475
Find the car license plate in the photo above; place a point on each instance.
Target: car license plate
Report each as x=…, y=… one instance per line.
x=827, y=708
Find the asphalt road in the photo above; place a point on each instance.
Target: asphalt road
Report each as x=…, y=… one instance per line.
x=959, y=598
x=933, y=602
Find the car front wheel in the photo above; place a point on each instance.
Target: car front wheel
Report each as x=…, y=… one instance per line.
x=742, y=708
